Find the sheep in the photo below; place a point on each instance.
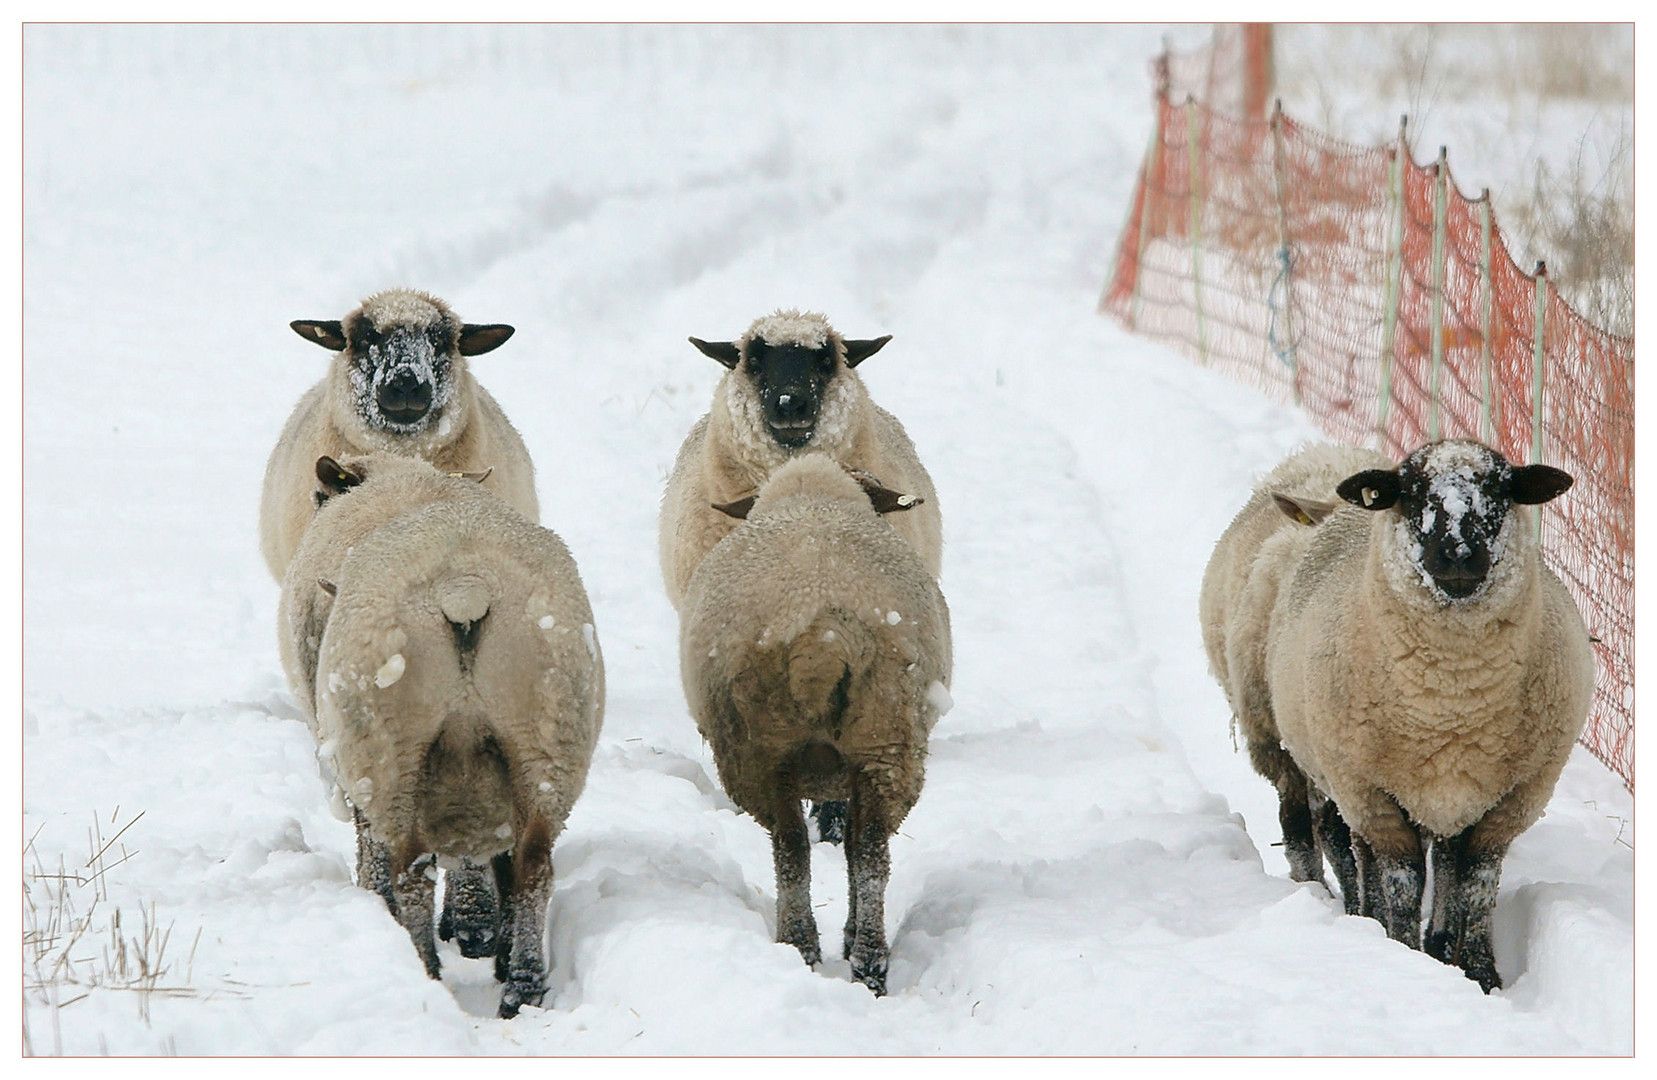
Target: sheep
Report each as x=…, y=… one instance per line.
x=1430, y=675
x=815, y=651
x=790, y=389
x=1238, y=589
x=457, y=689
x=398, y=382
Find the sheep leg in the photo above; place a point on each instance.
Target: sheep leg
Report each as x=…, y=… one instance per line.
x=373, y=863
x=530, y=890
x=1445, y=925
x=868, y=866
x=470, y=909
x=1369, y=893
x=502, y=866
x=1294, y=814
x=831, y=820
x=791, y=856
x=414, y=888
x=1336, y=841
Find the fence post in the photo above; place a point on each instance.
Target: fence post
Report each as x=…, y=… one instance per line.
x=1487, y=422
x=1153, y=162
x=1440, y=197
x=1537, y=355
x=1194, y=158
x=1395, y=267
x=1287, y=354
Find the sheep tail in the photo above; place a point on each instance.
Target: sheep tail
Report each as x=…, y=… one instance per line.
x=464, y=600
x=823, y=661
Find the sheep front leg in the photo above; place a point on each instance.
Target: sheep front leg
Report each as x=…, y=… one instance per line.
x=791, y=856
x=1394, y=865
x=1445, y=924
x=414, y=889
x=530, y=889
x=471, y=913
x=868, y=865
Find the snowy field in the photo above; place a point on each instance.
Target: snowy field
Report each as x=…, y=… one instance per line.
x=1090, y=869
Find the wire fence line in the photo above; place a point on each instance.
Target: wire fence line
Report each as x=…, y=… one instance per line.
x=1369, y=290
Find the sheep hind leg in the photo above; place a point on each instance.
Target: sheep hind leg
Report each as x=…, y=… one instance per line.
x=415, y=888
x=868, y=866
x=530, y=890
x=831, y=820
x=791, y=856
x=1445, y=924
x=373, y=864
x=1336, y=840
x=1294, y=814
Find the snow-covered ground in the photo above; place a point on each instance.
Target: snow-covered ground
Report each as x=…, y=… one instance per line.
x=1090, y=869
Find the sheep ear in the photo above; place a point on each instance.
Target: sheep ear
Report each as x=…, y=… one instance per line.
x=861, y=349
x=1372, y=489
x=726, y=352
x=887, y=501
x=1534, y=484
x=738, y=509
x=476, y=340
x=327, y=333
x=1305, y=511
x=336, y=478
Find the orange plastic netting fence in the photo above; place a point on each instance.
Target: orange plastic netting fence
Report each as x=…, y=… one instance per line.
x=1371, y=292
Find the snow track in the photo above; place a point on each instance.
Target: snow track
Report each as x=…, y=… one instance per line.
x=1089, y=869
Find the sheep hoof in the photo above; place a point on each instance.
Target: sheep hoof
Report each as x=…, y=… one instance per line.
x=871, y=972
x=524, y=988
x=1440, y=945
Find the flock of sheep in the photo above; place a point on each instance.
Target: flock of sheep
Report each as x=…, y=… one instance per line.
x=1405, y=670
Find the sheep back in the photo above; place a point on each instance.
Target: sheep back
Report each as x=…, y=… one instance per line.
x=813, y=622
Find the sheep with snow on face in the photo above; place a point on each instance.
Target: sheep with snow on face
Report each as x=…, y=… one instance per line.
x=1238, y=589
x=815, y=651
x=458, y=690
x=1431, y=675
x=790, y=389
x=399, y=383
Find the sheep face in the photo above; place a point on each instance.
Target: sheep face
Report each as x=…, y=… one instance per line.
x=791, y=362
x=1452, y=501
x=402, y=353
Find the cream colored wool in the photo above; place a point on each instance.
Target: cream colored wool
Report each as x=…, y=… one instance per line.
x=468, y=433
x=729, y=454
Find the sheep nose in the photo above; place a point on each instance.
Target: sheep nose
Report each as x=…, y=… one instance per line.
x=405, y=397
x=793, y=405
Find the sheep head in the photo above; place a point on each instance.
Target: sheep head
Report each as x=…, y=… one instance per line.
x=1452, y=500
x=790, y=360
x=403, y=352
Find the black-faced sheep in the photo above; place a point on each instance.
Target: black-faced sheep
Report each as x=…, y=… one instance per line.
x=398, y=383
x=1238, y=590
x=815, y=651
x=458, y=689
x=790, y=389
x=1431, y=675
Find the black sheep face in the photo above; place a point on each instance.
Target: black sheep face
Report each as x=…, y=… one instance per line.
x=1453, y=500
x=402, y=352
x=402, y=374
x=791, y=379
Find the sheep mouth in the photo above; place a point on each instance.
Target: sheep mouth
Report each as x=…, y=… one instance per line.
x=792, y=435
x=1458, y=586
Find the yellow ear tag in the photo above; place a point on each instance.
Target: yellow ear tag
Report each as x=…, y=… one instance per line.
x=1369, y=496
x=1304, y=518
